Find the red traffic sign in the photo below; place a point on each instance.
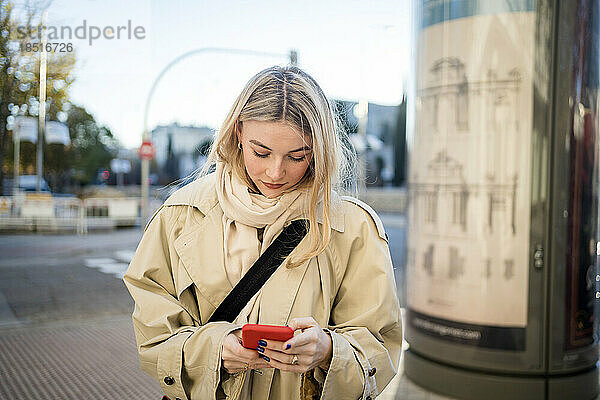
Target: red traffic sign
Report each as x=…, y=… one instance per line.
x=146, y=151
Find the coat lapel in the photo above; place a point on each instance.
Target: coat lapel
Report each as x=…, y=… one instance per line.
x=200, y=248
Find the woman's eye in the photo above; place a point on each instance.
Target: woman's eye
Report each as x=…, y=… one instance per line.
x=260, y=155
x=296, y=159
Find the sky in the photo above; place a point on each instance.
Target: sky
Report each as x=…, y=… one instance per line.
x=356, y=50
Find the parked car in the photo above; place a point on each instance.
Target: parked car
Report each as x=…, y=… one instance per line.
x=27, y=183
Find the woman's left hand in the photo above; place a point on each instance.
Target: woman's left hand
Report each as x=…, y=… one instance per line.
x=312, y=348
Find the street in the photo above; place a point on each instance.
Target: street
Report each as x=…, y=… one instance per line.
x=49, y=278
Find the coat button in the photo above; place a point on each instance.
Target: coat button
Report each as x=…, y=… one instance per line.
x=372, y=371
x=169, y=380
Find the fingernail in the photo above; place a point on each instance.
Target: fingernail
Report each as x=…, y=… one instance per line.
x=267, y=359
x=260, y=349
x=288, y=346
x=262, y=343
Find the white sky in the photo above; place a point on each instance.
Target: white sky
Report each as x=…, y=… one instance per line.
x=354, y=49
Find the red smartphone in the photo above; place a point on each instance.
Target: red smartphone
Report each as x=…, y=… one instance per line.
x=252, y=333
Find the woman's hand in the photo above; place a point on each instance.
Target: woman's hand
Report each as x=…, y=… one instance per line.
x=237, y=358
x=311, y=348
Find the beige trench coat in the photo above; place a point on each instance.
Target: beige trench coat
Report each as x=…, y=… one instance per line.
x=177, y=279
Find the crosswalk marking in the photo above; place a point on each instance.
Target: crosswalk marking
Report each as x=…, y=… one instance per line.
x=111, y=266
x=95, y=262
x=124, y=255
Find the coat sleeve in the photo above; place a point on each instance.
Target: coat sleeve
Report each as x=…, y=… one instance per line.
x=184, y=357
x=365, y=324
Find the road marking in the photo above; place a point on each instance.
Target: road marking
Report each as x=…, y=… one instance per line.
x=115, y=269
x=96, y=262
x=124, y=255
x=111, y=266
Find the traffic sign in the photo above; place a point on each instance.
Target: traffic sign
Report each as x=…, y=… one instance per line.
x=146, y=151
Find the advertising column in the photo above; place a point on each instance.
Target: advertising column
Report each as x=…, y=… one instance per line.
x=501, y=269
x=469, y=174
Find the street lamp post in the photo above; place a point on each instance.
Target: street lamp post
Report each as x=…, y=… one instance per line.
x=361, y=112
x=293, y=56
x=42, y=110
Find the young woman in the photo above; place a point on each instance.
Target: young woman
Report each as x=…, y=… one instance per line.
x=278, y=157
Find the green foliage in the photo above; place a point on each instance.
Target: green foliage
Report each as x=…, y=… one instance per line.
x=92, y=146
x=19, y=87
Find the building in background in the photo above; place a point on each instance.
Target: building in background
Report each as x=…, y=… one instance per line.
x=179, y=150
x=386, y=141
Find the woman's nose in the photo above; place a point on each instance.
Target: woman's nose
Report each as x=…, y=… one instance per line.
x=275, y=171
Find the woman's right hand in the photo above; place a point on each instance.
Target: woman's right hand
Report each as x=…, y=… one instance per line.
x=236, y=358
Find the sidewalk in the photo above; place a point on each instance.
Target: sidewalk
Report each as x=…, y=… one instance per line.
x=73, y=360
x=97, y=360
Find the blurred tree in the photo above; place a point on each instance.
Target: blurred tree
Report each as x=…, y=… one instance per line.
x=172, y=163
x=342, y=109
x=19, y=84
x=92, y=146
x=400, y=146
x=203, y=148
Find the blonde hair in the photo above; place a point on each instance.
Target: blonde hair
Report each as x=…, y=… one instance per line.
x=290, y=95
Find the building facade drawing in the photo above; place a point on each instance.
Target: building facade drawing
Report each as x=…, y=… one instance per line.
x=465, y=185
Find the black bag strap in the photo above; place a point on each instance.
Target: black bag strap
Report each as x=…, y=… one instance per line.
x=260, y=271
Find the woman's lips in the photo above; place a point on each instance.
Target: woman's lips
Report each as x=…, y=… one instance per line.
x=272, y=186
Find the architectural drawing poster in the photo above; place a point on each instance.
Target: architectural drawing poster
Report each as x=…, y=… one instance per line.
x=469, y=179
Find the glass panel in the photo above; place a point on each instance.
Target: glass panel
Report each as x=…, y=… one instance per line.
x=582, y=235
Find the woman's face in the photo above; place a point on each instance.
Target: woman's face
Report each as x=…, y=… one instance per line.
x=274, y=153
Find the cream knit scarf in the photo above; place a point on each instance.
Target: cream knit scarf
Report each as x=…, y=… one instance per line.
x=244, y=212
